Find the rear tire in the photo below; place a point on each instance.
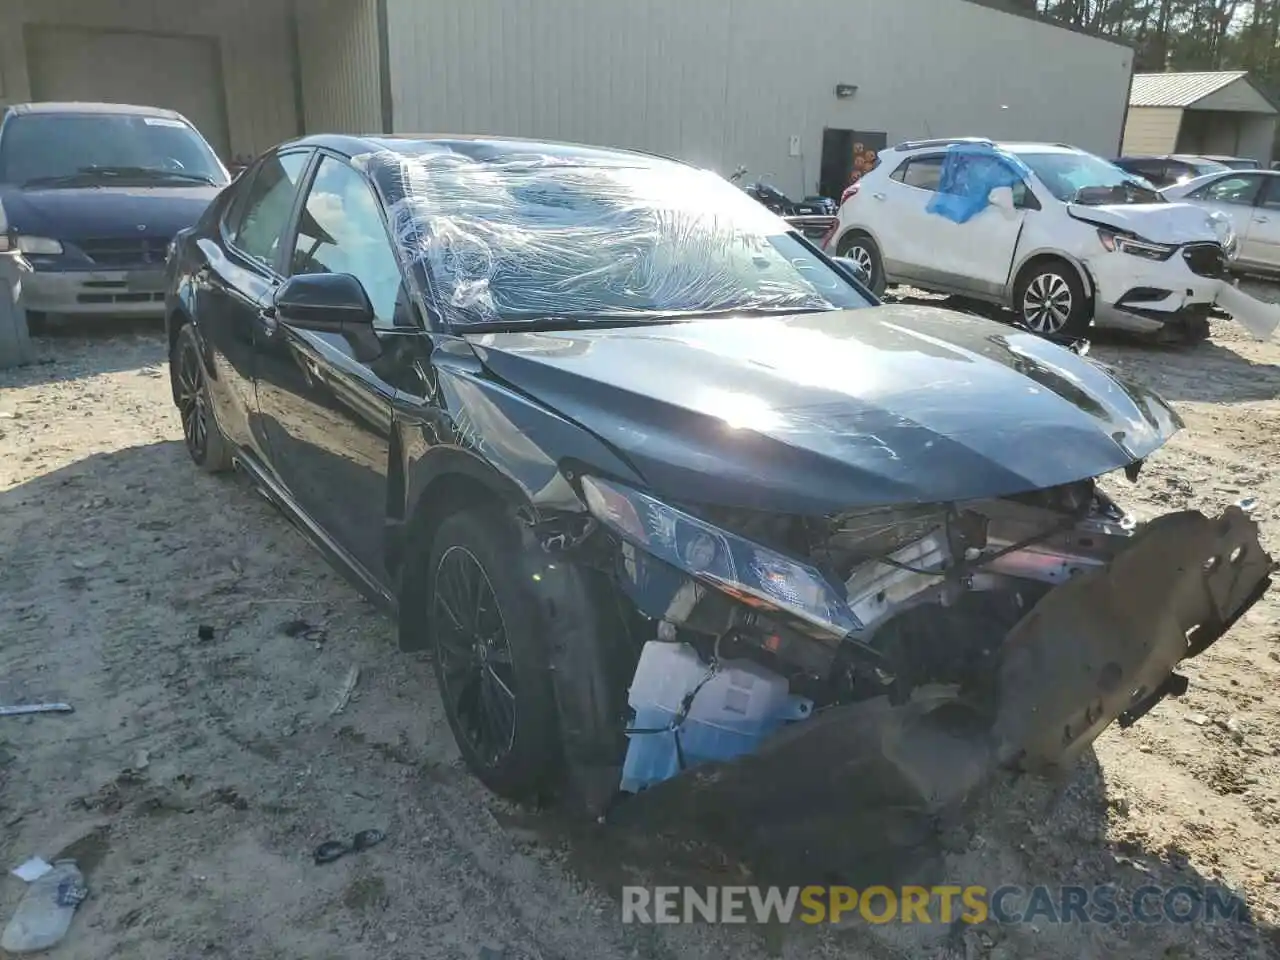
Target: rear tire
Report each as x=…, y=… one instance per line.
x=862, y=249
x=1049, y=298
x=490, y=657
x=206, y=445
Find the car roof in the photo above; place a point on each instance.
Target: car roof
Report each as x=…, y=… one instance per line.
x=478, y=147
x=130, y=109
x=1039, y=148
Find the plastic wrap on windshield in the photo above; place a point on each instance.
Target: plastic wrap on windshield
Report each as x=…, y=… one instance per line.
x=536, y=236
x=969, y=173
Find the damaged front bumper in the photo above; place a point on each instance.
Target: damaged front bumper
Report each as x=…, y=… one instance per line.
x=1099, y=647
x=1170, y=300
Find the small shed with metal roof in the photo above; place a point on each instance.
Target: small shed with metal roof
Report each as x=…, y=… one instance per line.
x=1212, y=113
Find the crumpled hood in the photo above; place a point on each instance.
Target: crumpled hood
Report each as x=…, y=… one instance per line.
x=98, y=212
x=816, y=413
x=1161, y=222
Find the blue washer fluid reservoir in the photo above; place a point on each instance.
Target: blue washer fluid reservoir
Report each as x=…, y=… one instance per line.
x=738, y=703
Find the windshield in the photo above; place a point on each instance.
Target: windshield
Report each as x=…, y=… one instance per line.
x=519, y=239
x=47, y=148
x=1084, y=178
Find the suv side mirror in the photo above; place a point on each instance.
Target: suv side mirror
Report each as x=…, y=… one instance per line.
x=334, y=302
x=852, y=266
x=1002, y=198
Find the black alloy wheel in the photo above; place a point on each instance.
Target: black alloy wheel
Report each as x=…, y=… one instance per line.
x=487, y=633
x=476, y=669
x=200, y=432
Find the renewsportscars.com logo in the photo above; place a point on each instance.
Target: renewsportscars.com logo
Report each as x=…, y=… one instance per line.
x=1103, y=904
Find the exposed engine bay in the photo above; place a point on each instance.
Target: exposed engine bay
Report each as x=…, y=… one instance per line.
x=1047, y=616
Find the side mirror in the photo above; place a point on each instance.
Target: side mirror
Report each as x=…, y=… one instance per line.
x=1002, y=198
x=855, y=268
x=334, y=302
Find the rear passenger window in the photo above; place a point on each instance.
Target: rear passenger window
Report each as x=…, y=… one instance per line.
x=1239, y=189
x=922, y=172
x=264, y=215
x=1150, y=170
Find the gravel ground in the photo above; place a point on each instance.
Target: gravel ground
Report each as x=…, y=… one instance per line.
x=202, y=767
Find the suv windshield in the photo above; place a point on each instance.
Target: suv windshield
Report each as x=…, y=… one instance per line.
x=52, y=149
x=547, y=240
x=1084, y=178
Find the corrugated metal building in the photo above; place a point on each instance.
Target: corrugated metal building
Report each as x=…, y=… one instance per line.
x=784, y=88
x=1216, y=114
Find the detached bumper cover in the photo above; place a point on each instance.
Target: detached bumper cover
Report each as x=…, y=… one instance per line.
x=1094, y=650
x=1099, y=645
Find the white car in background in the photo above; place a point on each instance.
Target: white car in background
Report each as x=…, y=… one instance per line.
x=1064, y=238
x=1251, y=200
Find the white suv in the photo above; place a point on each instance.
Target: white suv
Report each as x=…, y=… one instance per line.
x=1058, y=235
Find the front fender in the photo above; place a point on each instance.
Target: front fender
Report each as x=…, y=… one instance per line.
x=1086, y=278
x=488, y=432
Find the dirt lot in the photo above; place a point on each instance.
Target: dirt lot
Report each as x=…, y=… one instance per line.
x=197, y=775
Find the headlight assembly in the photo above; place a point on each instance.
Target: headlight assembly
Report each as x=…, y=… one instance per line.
x=1132, y=245
x=39, y=245
x=749, y=572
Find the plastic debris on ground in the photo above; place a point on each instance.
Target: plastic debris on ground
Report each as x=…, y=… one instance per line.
x=33, y=869
x=332, y=850
x=345, y=691
x=24, y=709
x=44, y=914
x=688, y=712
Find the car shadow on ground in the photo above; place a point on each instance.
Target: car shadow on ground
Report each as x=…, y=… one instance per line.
x=104, y=580
x=1022, y=835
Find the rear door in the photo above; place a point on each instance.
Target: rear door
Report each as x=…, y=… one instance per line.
x=897, y=215
x=235, y=287
x=1262, y=245
x=1233, y=195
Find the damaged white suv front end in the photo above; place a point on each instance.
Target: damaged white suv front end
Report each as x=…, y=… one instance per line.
x=1060, y=236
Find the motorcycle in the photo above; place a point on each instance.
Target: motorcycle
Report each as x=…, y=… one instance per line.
x=814, y=216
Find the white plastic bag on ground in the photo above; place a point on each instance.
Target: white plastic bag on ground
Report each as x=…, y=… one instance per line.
x=44, y=915
x=1261, y=319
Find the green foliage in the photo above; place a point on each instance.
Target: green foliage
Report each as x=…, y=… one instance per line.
x=1186, y=34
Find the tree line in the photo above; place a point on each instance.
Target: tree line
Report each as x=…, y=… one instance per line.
x=1183, y=34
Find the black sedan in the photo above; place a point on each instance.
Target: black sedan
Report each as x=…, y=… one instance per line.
x=660, y=485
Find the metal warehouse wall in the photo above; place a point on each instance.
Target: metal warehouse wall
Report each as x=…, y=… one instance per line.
x=723, y=82
x=341, y=71
x=252, y=38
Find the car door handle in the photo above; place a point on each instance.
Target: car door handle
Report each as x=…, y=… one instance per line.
x=1261, y=220
x=267, y=317
x=878, y=196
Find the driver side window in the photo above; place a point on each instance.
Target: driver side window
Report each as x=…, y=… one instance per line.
x=340, y=230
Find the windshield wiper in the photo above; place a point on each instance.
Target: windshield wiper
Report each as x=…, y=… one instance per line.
x=573, y=321
x=515, y=323
x=92, y=173
x=127, y=171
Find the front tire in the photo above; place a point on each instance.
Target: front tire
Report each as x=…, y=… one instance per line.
x=1050, y=299
x=205, y=443
x=861, y=249
x=490, y=659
